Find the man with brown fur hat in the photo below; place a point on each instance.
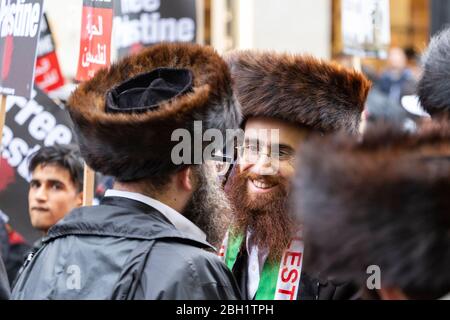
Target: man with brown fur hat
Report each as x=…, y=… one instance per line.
x=148, y=237
x=284, y=98
x=377, y=211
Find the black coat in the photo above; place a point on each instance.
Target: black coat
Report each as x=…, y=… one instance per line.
x=13, y=253
x=4, y=285
x=311, y=288
x=123, y=249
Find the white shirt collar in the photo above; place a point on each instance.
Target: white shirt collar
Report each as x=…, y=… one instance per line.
x=447, y=297
x=180, y=222
x=256, y=259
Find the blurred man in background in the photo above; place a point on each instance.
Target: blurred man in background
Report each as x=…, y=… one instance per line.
x=55, y=189
x=397, y=80
x=56, y=185
x=391, y=96
x=414, y=62
x=376, y=212
x=14, y=248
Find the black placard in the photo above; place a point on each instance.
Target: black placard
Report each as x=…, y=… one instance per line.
x=19, y=33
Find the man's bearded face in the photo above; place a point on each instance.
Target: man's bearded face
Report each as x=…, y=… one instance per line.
x=259, y=189
x=265, y=214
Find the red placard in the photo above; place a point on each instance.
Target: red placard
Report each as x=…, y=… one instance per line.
x=48, y=74
x=95, y=43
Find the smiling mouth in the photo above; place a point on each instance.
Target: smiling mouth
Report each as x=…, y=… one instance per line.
x=39, y=209
x=262, y=185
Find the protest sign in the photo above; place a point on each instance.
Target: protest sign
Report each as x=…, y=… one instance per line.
x=95, y=53
x=48, y=76
x=30, y=124
x=141, y=23
x=95, y=42
x=366, y=28
x=19, y=33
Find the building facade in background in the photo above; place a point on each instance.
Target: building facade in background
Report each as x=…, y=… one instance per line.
x=290, y=25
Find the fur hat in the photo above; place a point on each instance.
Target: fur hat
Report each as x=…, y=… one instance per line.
x=136, y=145
x=384, y=202
x=434, y=86
x=298, y=89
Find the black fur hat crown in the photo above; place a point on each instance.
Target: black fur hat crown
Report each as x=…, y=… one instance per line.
x=125, y=115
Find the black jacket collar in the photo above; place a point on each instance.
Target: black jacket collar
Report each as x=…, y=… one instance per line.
x=119, y=217
x=130, y=204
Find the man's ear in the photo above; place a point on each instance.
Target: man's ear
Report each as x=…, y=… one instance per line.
x=80, y=199
x=392, y=294
x=185, y=179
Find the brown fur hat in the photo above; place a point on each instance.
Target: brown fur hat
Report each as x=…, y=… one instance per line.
x=383, y=201
x=299, y=89
x=134, y=146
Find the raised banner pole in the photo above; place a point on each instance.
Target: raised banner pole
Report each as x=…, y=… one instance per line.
x=96, y=30
x=88, y=186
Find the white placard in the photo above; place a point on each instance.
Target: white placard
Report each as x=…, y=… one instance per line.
x=366, y=27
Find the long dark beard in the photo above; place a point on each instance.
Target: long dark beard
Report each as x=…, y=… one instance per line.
x=265, y=214
x=209, y=207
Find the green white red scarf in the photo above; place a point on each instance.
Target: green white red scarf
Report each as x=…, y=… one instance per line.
x=278, y=281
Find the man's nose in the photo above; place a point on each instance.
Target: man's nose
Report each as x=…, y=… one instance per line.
x=41, y=194
x=264, y=166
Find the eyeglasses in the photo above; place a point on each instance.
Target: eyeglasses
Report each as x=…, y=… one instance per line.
x=253, y=152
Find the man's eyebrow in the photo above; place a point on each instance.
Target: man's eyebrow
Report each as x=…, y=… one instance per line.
x=282, y=146
x=252, y=141
x=53, y=181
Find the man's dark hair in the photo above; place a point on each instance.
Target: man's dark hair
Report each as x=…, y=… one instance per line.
x=411, y=53
x=64, y=156
x=434, y=87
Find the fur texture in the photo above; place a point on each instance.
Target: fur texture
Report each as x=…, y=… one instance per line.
x=383, y=201
x=135, y=146
x=298, y=89
x=434, y=87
